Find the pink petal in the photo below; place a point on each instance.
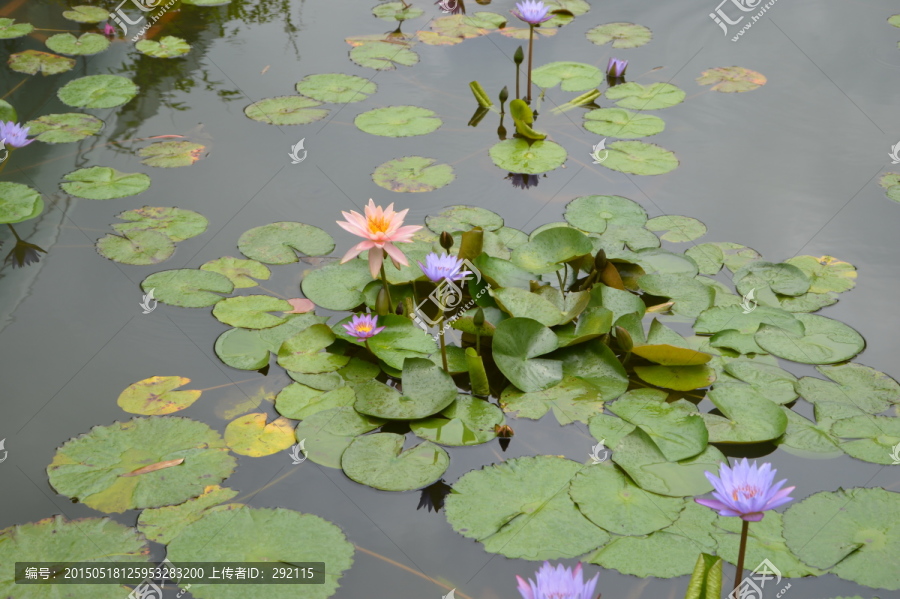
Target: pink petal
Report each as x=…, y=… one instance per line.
x=404, y=234
x=753, y=517
x=376, y=258
x=356, y=250
x=300, y=305
x=377, y=330
x=395, y=254
x=712, y=503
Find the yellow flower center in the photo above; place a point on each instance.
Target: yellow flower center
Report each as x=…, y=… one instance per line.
x=747, y=491
x=363, y=327
x=378, y=224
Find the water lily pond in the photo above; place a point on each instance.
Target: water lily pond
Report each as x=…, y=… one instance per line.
x=473, y=299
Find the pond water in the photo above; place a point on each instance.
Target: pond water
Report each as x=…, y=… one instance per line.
x=791, y=168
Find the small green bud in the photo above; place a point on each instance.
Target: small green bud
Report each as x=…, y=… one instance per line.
x=478, y=319
x=446, y=240
x=624, y=339
x=381, y=302
x=600, y=261
x=519, y=56
x=504, y=94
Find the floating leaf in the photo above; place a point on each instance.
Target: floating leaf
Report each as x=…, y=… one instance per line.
x=90, y=467
x=869, y=438
x=336, y=88
x=783, y=279
x=18, y=203
x=679, y=228
x=163, y=524
x=670, y=355
x=807, y=439
x=383, y=56
x=463, y=218
x=548, y=250
x=251, y=435
x=61, y=541
x=8, y=113
x=400, y=339
x=690, y=296
x=10, y=30
x=170, y=154
x=826, y=274
x=467, y=26
x=517, y=343
x=277, y=243
x=522, y=33
x=596, y=213
x=467, y=421
x=573, y=76
x=104, y=183
x=639, y=158
x=856, y=390
x=98, y=91
x=303, y=352
x=138, y=248
x=398, y=121
x=433, y=38
x=328, y=433
x=239, y=271
x=765, y=541
x=517, y=156
x=619, y=301
x=396, y=11
x=286, y=110
x=427, y=390
x=86, y=14
x=177, y=224
x=413, y=174
x=84, y=45
x=708, y=256
x=894, y=20
x=521, y=509
x=825, y=341
x=300, y=401
x=773, y=382
x=63, y=128
x=156, y=396
x=731, y=79
x=187, y=287
x=247, y=534
x=379, y=461
x=645, y=97
x=251, y=311
x=748, y=416
x=621, y=123
x=168, y=46
x=571, y=400
x=721, y=318
x=675, y=428
x=862, y=538
x=337, y=286
x=622, y=35
x=663, y=262
x=679, y=378
x=32, y=61
x=611, y=501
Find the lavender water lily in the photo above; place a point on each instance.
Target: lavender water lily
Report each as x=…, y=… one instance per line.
x=533, y=12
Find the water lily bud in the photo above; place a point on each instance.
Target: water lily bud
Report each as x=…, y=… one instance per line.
x=446, y=240
x=519, y=56
x=624, y=339
x=503, y=431
x=600, y=260
x=504, y=94
x=478, y=319
x=381, y=303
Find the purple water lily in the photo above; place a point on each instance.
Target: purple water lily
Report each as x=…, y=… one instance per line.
x=746, y=490
x=363, y=326
x=437, y=268
x=557, y=583
x=533, y=12
x=14, y=135
x=616, y=68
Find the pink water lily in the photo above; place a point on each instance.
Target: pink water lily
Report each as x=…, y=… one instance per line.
x=381, y=228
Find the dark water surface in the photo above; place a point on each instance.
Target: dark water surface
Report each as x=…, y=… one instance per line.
x=790, y=168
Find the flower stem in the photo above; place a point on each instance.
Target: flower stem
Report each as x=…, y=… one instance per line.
x=443, y=346
x=14, y=232
x=739, y=573
x=387, y=289
x=518, y=69
x=530, y=47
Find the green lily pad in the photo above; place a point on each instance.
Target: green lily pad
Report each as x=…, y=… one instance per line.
x=63, y=128
x=239, y=271
x=8, y=113
x=104, y=183
x=595, y=363
x=517, y=156
x=519, y=302
x=517, y=343
x=427, y=390
x=170, y=154
x=663, y=262
x=303, y=352
x=572, y=399
x=383, y=56
x=636, y=238
x=467, y=25
x=678, y=228
x=98, y=91
x=825, y=341
x=548, y=250
x=894, y=20
x=168, y=46
x=679, y=378
x=328, y=433
x=690, y=296
x=187, y=287
x=59, y=540
x=595, y=213
x=277, y=243
x=642, y=460
x=748, y=416
x=783, y=278
x=869, y=438
x=731, y=79
x=102, y=469
x=619, y=301
x=398, y=121
x=675, y=428
x=463, y=218
x=251, y=311
x=645, y=97
x=242, y=349
x=299, y=401
x=856, y=390
x=592, y=323
x=609, y=429
x=722, y=318
x=521, y=509
x=337, y=286
x=9, y=29
x=156, y=396
x=671, y=355
x=139, y=248
x=84, y=45
x=18, y=203
x=286, y=110
x=775, y=383
x=826, y=274
x=611, y=501
x=639, y=158
x=622, y=35
x=32, y=61
x=401, y=339
x=86, y=14
x=162, y=524
x=574, y=76
x=623, y=124
x=175, y=223
x=806, y=438
x=379, y=461
x=336, y=88
x=247, y=534
x=251, y=435
x=413, y=174
x=765, y=541
x=467, y=421
x=708, y=256
x=667, y=553
x=862, y=538
x=396, y=11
